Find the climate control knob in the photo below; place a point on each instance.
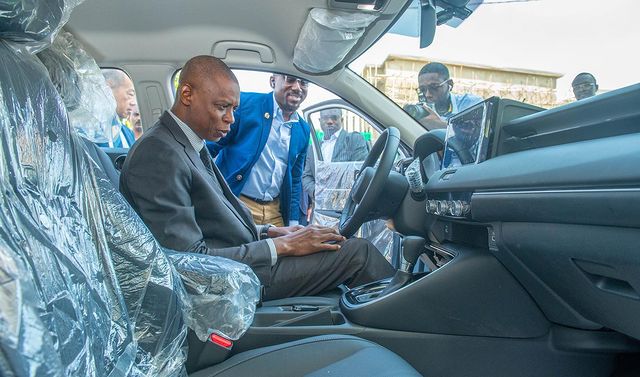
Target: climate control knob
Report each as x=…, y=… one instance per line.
x=443, y=207
x=456, y=208
x=432, y=206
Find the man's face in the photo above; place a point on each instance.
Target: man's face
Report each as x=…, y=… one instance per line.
x=435, y=88
x=330, y=124
x=584, y=87
x=125, y=96
x=289, y=91
x=211, y=105
x=136, y=122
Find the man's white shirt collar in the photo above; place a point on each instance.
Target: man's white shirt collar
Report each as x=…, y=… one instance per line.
x=335, y=135
x=277, y=114
x=196, y=142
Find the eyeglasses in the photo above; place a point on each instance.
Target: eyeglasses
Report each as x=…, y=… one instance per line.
x=291, y=80
x=423, y=90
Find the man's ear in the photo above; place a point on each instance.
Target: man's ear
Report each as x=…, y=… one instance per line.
x=450, y=84
x=184, y=93
x=272, y=82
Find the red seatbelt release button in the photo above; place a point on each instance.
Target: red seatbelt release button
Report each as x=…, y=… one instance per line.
x=222, y=342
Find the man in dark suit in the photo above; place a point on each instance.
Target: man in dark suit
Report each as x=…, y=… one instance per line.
x=262, y=157
x=171, y=181
x=336, y=145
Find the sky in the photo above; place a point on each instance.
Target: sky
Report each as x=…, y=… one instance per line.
x=562, y=36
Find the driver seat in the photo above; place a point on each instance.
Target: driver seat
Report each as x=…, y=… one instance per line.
x=86, y=290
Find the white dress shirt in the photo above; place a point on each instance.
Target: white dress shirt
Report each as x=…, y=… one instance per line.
x=328, y=146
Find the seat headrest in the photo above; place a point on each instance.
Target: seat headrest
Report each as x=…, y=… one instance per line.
x=33, y=23
x=79, y=80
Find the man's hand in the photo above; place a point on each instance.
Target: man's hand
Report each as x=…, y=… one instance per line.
x=432, y=120
x=279, y=231
x=309, y=240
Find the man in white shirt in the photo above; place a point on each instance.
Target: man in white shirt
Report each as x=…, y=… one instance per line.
x=337, y=145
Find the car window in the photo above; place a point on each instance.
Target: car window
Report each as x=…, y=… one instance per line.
x=127, y=126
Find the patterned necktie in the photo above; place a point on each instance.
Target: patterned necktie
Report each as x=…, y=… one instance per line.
x=206, y=160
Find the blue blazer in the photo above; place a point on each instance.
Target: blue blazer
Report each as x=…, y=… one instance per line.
x=128, y=135
x=125, y=131
x=238, y=152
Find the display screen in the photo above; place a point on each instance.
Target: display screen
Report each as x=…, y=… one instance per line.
x=467, y=137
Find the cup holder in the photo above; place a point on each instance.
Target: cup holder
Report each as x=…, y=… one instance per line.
x=289, y=316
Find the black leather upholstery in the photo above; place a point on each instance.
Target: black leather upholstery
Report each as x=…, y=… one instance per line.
x=334, y=355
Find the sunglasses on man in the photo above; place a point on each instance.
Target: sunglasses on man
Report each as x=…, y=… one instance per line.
x=423, y=90
x=291, y=80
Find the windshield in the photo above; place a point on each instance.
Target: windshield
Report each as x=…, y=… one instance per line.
x=546, y=53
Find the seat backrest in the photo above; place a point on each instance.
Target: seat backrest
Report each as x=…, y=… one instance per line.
x=83, y=272
x=84, y=287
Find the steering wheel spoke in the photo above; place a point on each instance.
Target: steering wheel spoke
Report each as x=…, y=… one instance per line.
x=369, y=183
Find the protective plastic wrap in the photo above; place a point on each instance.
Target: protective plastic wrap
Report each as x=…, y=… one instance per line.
x=75, y=74
x=85, y=290
x=213, y=285
x=333, y=183
x=327, y=36
x=31, y=25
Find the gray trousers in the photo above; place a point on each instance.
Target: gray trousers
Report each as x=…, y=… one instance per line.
x=357, y=262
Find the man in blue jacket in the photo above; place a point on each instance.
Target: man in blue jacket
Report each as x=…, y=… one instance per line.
x=262, y=157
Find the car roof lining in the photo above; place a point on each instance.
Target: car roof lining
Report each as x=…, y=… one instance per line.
x=173, y=32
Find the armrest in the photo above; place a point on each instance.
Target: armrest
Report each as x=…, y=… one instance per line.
x=221, y=294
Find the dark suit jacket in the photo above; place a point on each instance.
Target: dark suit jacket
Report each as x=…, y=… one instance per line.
x=239, y=151
x=184, y=206
x=350, y=146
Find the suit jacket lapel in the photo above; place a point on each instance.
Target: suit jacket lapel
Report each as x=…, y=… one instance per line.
x=223, y=188
x=267, y=118
x=338, y=148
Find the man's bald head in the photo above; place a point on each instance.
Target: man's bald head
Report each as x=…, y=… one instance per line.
x=207, y=94
x=204, y=67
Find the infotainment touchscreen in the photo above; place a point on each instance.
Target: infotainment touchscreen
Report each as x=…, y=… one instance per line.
x=467, y=138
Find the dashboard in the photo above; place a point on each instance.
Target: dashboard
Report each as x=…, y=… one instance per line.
x=553, y=194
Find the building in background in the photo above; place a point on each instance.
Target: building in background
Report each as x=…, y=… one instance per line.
x=397, y=77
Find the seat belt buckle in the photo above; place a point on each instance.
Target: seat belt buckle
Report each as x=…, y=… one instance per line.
x=221, y=341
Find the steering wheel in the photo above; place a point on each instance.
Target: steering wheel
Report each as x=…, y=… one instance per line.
x=369, y=183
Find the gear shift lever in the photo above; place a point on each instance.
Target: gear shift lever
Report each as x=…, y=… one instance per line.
x=412, y=248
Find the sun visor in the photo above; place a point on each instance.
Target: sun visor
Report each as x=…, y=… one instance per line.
x=327, y=36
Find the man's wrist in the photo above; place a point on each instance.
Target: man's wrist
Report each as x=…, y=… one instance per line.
x=264, y=232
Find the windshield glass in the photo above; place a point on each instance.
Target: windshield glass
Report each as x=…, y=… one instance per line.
x=546, y=53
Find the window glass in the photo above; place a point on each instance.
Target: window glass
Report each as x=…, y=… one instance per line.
x=127, y=127
x=544, y=53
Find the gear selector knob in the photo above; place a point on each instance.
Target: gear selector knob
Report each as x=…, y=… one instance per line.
x=412, y=248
